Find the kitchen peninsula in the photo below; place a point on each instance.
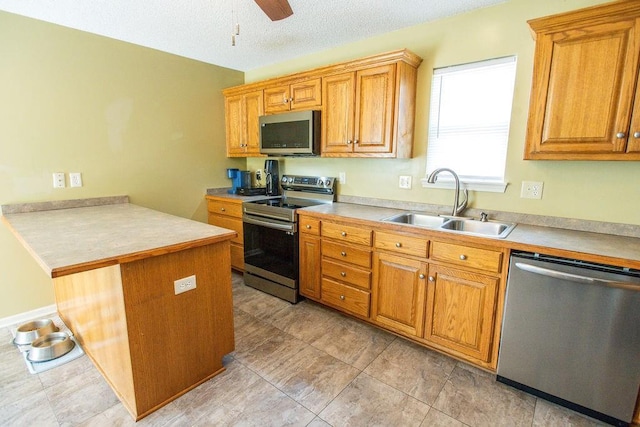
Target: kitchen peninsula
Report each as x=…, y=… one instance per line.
x=113, y=266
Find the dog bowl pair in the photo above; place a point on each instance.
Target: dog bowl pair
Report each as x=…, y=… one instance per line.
x=46, y=342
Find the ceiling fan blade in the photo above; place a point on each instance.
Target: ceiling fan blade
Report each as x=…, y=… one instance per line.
x=275, y=9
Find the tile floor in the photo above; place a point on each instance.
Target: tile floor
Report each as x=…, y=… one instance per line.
x=301, y=365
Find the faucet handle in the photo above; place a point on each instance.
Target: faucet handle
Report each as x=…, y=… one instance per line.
x=483, y=217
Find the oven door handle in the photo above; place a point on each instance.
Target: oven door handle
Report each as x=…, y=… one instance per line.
x=291, y=227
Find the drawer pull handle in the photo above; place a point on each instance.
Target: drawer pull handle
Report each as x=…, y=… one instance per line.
x=421, y=276
x=432, y=279
x=343, y=274
x=398, y=245
x=343, y=234
x=463, y=257
x=342, y=297
x=308, y=227
x=343, y=253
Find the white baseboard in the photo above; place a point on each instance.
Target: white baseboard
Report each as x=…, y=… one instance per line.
x=17, y=319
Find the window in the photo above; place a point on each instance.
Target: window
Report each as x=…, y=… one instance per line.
x=469, y=124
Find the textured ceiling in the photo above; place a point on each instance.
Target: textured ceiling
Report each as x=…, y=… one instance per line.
x=201, y=29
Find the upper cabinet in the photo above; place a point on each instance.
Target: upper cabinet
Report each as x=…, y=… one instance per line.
x=303, y=95
x=585, y=97
x=367, y=105
x=241, y=123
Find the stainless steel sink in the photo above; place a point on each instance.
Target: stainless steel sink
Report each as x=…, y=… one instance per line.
x=470, y=226
x=480, y=228
x=417, y=219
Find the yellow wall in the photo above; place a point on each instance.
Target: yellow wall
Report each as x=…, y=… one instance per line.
x=132, y=120
x=601, y=191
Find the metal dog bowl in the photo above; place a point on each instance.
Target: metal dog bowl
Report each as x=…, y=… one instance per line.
x=28, y=332
x=50, y=346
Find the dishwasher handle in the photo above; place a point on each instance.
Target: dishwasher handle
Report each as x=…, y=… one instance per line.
x=577, y=277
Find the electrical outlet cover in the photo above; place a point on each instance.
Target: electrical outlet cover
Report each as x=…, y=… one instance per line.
x=405, y=182
x=531, y=190
x=58, y=180
x=75, y=179
x=184, y=284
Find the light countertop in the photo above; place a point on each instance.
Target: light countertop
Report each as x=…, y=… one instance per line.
x=66, y=241
x=621, y=250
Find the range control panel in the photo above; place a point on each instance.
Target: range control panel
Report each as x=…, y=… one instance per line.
x=296, y=182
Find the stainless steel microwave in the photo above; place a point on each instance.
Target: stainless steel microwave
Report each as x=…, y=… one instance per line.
x=290, y=134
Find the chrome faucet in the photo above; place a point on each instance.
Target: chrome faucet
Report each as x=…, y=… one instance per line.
x=457, y=207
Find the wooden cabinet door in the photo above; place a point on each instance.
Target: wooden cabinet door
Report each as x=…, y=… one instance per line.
x=375, y=89
x=583, y=89
x=234, y=124
x=633, y=146
x=310, y=276
x=398, y=293
x=253, y=110
x=460, y=311
x=337, y=121
x=276, y=99
x=306, y=94
x=241, y=123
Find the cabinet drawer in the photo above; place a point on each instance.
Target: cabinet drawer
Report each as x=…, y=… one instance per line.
x=346, y=253
x=347, y=273
x=345, y=297
x=400, y=243
x=346, y=233
x=483, y=259
x=309, y=225
x=230, y=223
x=225, y=208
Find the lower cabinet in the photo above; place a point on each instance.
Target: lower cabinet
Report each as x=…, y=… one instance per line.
x=309, y=271
x=398, y=293
x=439, y=293
x=226, y=212
x=461, y=311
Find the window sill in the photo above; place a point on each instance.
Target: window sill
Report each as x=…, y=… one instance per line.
x=489, y=187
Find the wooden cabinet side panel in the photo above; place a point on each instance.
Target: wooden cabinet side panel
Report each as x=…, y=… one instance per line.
x=375, y=95
x=177, y=341
x=310, y=266
x=405, y=110
x=398, y=293
x=91, y=304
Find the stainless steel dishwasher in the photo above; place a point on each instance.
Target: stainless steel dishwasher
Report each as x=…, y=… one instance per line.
x=571, y=335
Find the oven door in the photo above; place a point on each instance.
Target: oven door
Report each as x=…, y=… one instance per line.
x=271, y=256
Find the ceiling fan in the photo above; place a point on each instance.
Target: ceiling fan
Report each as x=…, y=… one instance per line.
x=275, y=9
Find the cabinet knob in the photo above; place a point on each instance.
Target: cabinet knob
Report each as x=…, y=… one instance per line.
x=342, y=297
x=308, y=227
x=343, y=253
x=343, y=274
x=285, y=100
x=636, y=134
x=349, y=142
x=343, y=234
x=432, y=279
x=421, y=276
x=355, y=141
x=463, y=257
x=222, y=209
x=620, y=135
x=398, y=245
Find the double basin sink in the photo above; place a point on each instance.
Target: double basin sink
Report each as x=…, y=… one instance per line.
x=462, y=225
